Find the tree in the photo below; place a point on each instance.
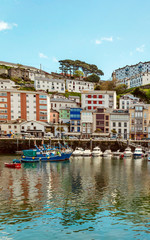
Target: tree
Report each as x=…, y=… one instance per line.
x=78, y=74
x=97, y=87
x=93, y=78
x=120, y=88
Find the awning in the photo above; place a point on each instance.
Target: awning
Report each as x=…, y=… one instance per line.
x=72, y=134
x=100, y=134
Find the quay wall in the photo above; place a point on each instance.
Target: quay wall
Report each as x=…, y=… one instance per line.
x=9, y=146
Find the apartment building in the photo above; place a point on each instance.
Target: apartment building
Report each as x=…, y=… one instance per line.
x=139, y=120
x=15, y=104
x=57, y=103
x=54, y=116
x=92, y=100
x=51, y=85
x=86, y=123
x=75, y=119
x=120, y=123
x=127, y=100
x=131, y=71
x=64, y=115
x=101, y=120
x=78, y=85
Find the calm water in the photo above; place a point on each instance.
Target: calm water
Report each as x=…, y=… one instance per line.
x=81, y=199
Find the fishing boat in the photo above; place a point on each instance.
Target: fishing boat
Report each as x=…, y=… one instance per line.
x=107, y=153
x=13, y=165
x=45, y=155
x=86, y=153
x=78, y=152
x=138, y=152
x=96, y=152
x=127, y=152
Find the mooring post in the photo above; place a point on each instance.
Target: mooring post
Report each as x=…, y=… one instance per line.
x=91, y=144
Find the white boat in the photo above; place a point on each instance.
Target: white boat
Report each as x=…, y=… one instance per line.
x=78, y=152
x=87, y=152
x=107, y=153
x=127, y=152
x=96, y=152
x=117, y=154
x=138, y=152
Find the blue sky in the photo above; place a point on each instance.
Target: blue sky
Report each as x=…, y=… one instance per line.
x=110, y=34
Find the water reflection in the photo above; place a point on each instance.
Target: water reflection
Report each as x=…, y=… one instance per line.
x=80, y=192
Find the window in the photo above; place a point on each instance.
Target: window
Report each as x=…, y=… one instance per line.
x=22, y=127
x=114, y=124
x=9, y=126
x=100, y=102
x=119, y=124
x=125, y=124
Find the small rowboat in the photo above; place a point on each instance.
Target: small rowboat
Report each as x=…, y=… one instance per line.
x=13, y=165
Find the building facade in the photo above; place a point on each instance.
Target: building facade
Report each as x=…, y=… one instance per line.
x=120, y=123
x=127, y=100
x=51, y=85
x=92, y=100
x=139, y=121
x=57, y=103
x=133, y=75
x=86, y=123
x=24, y=105
x=101, y=120
x=75, y=119
x=64, y=115
x=54, y=116
x=7, y=84
x=78, y=85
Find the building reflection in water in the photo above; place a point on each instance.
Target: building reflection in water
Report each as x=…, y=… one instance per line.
x=79, y=189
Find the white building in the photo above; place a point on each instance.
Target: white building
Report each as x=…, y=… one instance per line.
x=127, y=100
x=78, y=85
x=134, y=75
x=57, y=103
x=132, y=70
x=86, y=123
x=10, y=127
x=52, y=85
x=36, y=128
x=98, y=99
x=7, y=84
x=26, y=105
x=120, y=122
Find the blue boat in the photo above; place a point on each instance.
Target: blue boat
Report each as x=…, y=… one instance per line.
x=44, y=155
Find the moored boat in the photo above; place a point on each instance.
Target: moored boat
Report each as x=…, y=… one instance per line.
x=148, y=155
x=78, y=152
x=127, y=152
x=46, y=155
x=107, y=153
x=138, y=153
x=13, y=165
x=86, y=152
x=96, y=152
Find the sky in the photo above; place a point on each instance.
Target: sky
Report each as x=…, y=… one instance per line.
x=110, y=33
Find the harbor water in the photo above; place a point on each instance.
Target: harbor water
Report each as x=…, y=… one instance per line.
x=84, y=198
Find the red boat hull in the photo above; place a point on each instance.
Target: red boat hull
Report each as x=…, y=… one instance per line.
x=13, y=165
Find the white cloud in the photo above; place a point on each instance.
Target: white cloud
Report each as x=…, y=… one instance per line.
x=5, y=25
x=55, y=59
x=98, y=42
x=140, y=49
x=41, y=55
x=106, y=39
